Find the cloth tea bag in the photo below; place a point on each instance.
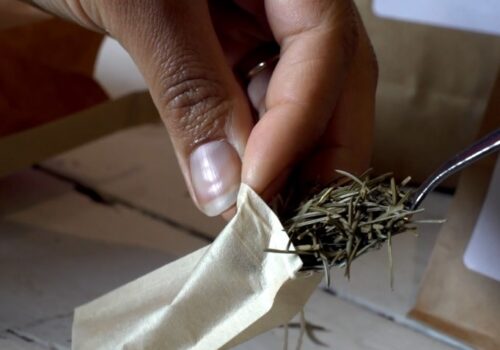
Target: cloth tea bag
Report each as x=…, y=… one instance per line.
x=214, y=298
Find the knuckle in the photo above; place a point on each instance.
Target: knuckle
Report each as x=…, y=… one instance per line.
x=368, y=57
x=194, y=102
x=74, y=10
x=351, y=33
x=373, y=63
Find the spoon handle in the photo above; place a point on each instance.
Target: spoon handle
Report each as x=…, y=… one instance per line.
x=486, y=145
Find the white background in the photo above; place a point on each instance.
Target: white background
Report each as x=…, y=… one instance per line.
x=481, y=16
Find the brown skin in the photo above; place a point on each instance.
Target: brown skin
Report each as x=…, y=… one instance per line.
x=319, y=101
x=15, y=14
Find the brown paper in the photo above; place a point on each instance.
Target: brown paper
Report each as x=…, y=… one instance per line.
x=453, y=298
x=434, y=85
x=214, y=298
x=45, y=74
x=34, y=145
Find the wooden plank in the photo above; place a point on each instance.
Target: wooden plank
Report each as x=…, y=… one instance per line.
x=69, y=249
x=127, y=165
x=51, y=260
x=349, y=327
x=52, y=333
x=11, y=342
x=38, y=200
x=137, y=166
x=59, y=249
x=63, y=271
x=44, y=275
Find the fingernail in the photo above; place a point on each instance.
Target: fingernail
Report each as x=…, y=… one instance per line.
x=216, y=175
x=257, y=89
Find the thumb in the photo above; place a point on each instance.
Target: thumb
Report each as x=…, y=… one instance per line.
x=202, y=105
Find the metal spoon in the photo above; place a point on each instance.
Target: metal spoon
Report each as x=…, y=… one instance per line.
x=485, y=146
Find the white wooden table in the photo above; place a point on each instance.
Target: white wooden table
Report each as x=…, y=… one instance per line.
x=60, y=248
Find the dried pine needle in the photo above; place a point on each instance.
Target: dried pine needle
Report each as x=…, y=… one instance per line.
x=306, y=328
x=347, y=219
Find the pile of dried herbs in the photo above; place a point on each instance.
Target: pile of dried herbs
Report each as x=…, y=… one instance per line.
x=347, y=219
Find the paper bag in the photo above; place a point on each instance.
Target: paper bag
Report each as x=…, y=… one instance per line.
x=216, y=297
x=453, y=298
x=46, y=74
x=433, y=87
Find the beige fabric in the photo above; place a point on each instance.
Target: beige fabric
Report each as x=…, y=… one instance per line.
x=216, y=297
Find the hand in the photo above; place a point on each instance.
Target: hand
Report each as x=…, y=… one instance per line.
x=315, y=109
